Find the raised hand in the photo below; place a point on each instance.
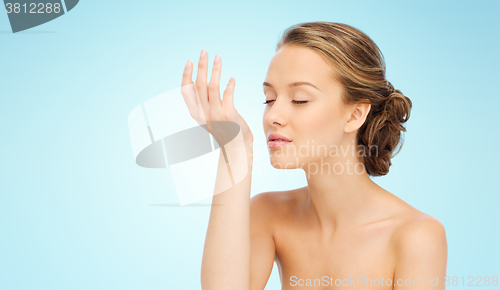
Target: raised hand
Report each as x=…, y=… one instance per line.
x=205, y=104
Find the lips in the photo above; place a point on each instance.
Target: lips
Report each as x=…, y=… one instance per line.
x=278, y=140
x=278, y=137
x=276, y=144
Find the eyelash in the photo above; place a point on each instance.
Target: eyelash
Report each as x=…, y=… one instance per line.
x=295, y=102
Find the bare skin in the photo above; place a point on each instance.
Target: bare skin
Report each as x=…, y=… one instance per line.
x=374, y=247
x=341, y=225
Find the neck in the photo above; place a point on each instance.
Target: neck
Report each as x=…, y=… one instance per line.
x=342, y=198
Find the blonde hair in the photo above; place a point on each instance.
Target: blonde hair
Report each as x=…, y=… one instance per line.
x=360, y=68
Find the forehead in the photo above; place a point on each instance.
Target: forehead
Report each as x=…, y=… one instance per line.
x=296, y=63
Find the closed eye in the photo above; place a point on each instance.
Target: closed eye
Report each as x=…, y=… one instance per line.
x=295, y=102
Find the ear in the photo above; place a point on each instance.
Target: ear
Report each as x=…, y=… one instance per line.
x=356, y=117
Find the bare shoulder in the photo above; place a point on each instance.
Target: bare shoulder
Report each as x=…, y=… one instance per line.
x=269, y=209
x=420, y=248
x=272, y=203
x=412, y=224
x=420, y=234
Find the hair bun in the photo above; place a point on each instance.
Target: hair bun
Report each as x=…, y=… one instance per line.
x=397, y=107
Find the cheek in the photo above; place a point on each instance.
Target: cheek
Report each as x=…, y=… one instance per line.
x=323, y=125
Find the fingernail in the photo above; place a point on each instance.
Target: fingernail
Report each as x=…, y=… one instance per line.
x=217, y=59
x=188, y=64
x=231, y=79
x=203, y=53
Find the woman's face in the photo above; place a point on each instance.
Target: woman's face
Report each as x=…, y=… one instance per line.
x=300, y=74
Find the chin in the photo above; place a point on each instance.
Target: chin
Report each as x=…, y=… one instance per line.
x=284, y=162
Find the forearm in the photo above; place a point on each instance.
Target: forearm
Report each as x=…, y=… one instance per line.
x=226, y=255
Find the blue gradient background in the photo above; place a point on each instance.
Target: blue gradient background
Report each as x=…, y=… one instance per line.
x=76, y=212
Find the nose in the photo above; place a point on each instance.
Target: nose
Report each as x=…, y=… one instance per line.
x=276, y=116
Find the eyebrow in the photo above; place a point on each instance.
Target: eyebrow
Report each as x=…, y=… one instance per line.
x=294, y=84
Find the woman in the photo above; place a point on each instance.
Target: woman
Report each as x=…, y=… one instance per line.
x=326, y=93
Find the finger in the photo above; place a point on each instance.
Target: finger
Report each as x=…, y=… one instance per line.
x=228, y=100
x=213, y=86
x=187, y=75
x=188, y=91
x=201, y=78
